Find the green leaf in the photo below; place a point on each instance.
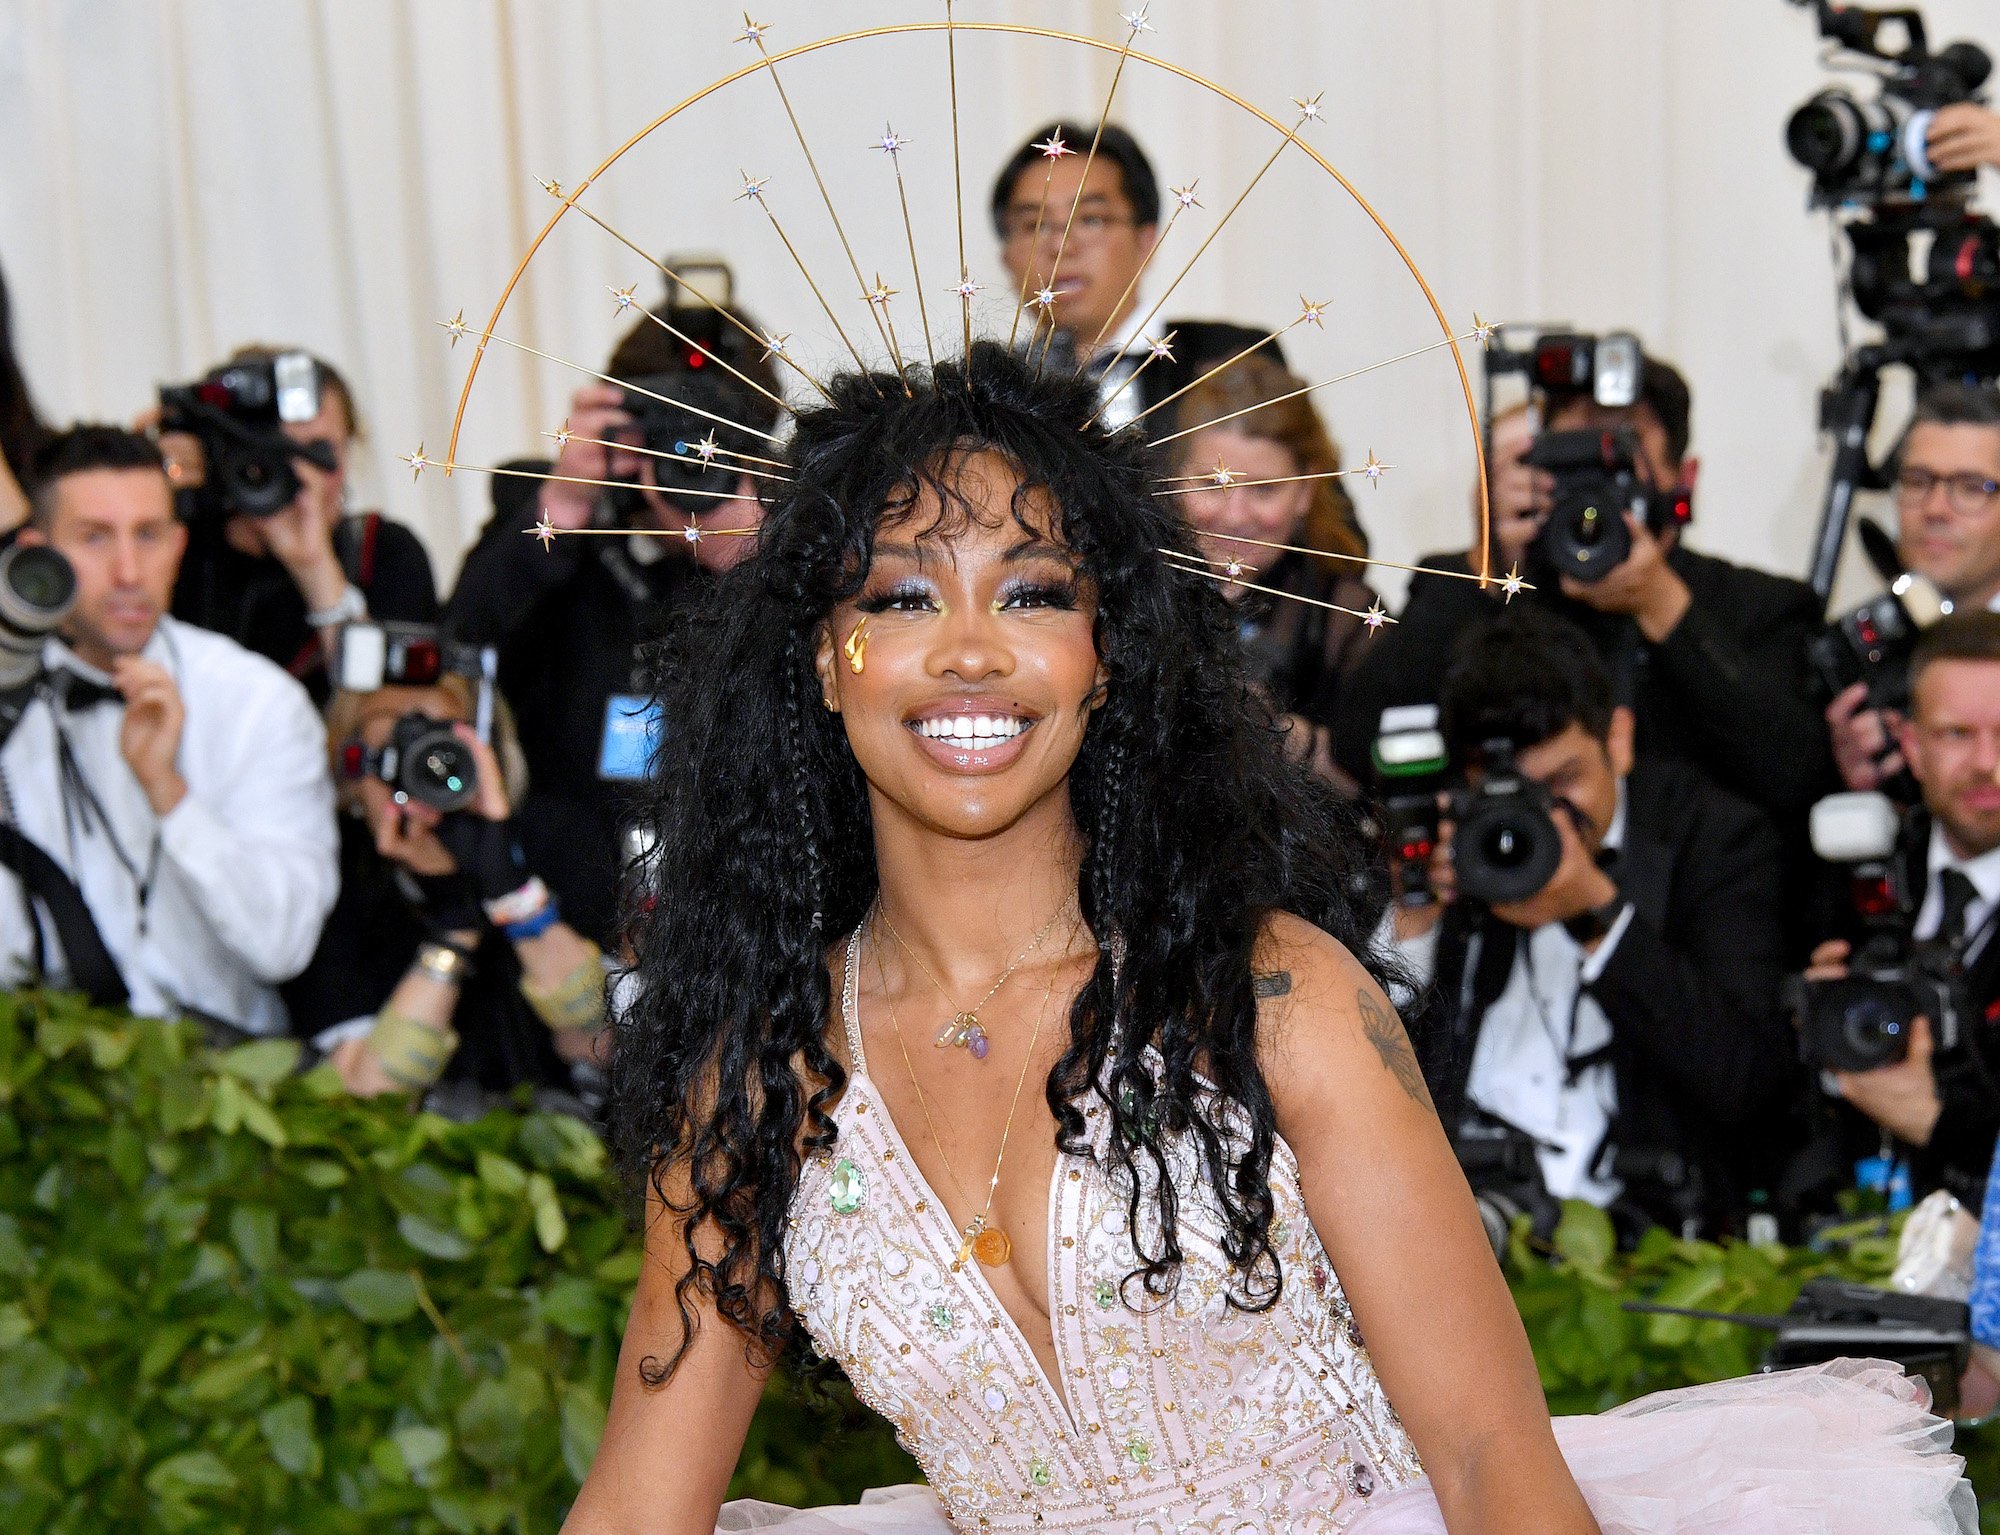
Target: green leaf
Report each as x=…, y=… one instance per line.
x=287, y=1427
x=574, y=1305
x=15, y=1325
x=184, y=1476
x=379, y=1295
x=1584, y=1235
x=432, y=1241
x=14, y=1259
x=491, y=1426
x=422, y=1447
x=254, y=1231
x=226, y=1377
x=261, y=1121
x=503, y=1177
x=551, y=1228
x=33, y=1380
x=262, y=1062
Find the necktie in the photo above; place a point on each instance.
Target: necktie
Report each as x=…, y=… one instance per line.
x=79, y=692
x=1959, y=895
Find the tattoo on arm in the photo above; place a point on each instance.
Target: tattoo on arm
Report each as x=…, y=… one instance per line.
x=1276, y=983
x=1385, y=1033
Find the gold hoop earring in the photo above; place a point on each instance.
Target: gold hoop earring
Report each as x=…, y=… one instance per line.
x=856, y=648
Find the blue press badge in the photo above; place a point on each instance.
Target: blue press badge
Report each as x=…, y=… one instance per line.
x=631, y=736
x=1985, y=1297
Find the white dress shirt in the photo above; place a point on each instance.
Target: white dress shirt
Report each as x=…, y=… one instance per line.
x=212, y=906
x=1542, y=1020
x=1983, y=871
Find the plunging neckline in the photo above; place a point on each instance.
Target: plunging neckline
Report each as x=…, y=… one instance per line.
x=859, y=1076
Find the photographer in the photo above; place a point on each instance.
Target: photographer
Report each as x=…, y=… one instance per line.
x=1945, y=1104
x=1948, y=531
x=571, y=619
x=177, y=779
x=444, y=956
x=1710, y=656
x=1623, y=1011
x=280, y=577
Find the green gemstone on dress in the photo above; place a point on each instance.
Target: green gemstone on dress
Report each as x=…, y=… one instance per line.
x=1103, y=1293
x=1038, y=1472
x=1140, y=1450
x=847, y=1189
x=941, y=1319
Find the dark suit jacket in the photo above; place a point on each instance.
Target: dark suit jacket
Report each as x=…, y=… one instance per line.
x=1727, y=692
x=1700, y=1049
x=1198, y=346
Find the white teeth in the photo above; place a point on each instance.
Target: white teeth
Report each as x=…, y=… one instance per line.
x=967, y=731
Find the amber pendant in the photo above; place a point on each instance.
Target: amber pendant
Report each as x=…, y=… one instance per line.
x=992, y=1247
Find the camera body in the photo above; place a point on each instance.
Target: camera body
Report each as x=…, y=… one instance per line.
x=423, y=759
x=1505, y=846
x=1863, y=1021
x=1598, y=480
x=37, y=591
x=239, y=413
x=1502, y=1165
x=1872, y=644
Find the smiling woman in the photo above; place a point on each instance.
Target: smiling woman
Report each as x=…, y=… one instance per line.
x=962, y=756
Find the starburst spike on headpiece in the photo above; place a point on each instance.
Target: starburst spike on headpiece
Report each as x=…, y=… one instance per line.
x=418, y=462
x=957, y=167
x=806, y=272
x=825, y=197
x=1184, y=199
x=1513, y=585
x=753, y=31
x=692, y=450
x=1194, y=484
x=892, y=144
x=1483, y=331
x=1135, y=23
x=1308, y=107
x=1311, y=313
x=674, y=277
x=1229, y=573
x=624, y=299
x=1053, y=149
x=456, y=325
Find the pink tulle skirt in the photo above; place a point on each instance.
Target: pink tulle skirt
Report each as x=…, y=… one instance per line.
x=1848, y=1448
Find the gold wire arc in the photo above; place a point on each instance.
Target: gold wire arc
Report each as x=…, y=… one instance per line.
x=1013, y=29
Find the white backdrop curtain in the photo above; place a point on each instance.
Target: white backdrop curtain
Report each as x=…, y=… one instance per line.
x=182, y=176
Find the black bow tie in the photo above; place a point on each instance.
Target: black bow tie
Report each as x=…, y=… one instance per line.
x=79, y=692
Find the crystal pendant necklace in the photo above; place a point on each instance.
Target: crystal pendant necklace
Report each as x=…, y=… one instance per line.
x=963, y=1027
x=980, y=1239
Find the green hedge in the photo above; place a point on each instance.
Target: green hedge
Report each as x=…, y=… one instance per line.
x=232, y=1297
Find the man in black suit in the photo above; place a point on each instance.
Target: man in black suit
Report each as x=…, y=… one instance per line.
x=1710, y=656
x=1089, y=305
x=1624, y=1017
x=1944, y=1105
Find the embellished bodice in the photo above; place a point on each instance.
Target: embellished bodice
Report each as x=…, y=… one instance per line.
x=1182, y=1413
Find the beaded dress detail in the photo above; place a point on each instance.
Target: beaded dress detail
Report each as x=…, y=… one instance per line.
x=1185, y=1416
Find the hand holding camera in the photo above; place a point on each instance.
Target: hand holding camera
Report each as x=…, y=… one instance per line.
x=1902, y=1096
x=595, y=411
x=1864, y=740
x=1963, y=137
x=1518, y=494
x=1642, y=585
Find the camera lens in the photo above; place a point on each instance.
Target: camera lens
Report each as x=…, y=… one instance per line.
x=430, y=764
x=1828, y=133
x=37, y=590
x=1875, y=1029
x=1507, y=847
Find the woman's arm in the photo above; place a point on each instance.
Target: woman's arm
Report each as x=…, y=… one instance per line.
x=669, y=1451
x=1399, y=1224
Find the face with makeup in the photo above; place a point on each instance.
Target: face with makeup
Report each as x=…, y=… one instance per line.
x=980, y=667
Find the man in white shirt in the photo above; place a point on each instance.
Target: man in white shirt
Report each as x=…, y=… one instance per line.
x=1948, y=531
x=1623, y=1017
x=1944, y=1105
x=178, y=779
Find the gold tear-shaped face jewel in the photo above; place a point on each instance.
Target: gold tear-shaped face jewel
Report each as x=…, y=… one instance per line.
x=847, y=1189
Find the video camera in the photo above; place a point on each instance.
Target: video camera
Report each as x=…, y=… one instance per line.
x=423, y=759
x=1599, y=475
x=1506, y=845
x=1871, y=168
x=239, y=414
x=1863, y=1020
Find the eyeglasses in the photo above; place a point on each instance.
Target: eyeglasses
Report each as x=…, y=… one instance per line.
x=1967, y=494
x=1018, y=224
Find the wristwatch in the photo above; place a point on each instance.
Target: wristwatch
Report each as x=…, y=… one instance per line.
x=1589, y=926
x=349, y=607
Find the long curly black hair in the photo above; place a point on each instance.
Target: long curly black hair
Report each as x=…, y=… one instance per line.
x=1195, y=824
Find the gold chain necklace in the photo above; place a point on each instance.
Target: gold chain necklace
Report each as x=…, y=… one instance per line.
x=981, y=1239
x=963, y=1027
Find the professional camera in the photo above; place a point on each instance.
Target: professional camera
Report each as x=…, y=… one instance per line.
x=422, y=760
x=1505, y=846
x=1873, y=643
x=681, y=409
x=1863, y=1020
x=1501, y=1164
x=1598, y=480
x=1410, y=765
x=239, y=413
x=37, y=591
x=1872, y=152
x=371, y=656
